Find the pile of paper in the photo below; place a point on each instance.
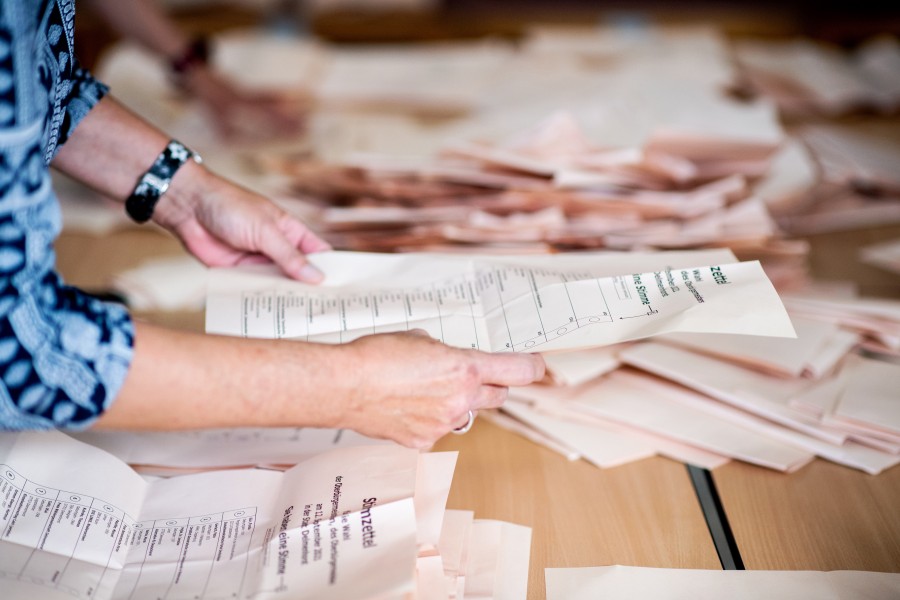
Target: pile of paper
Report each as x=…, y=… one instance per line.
x=809, y=78
x=638, y=583
x=885, y=255
x=704, y=399
x=833, y=177
x=355, y=522
x=600, y=137
x=552, y=188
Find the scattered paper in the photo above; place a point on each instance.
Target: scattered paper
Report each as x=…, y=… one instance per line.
x=221, y=448
x=82, y=524
x=640, y=583
x=355, y=522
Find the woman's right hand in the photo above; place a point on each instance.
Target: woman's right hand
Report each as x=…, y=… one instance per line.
x=412, y=389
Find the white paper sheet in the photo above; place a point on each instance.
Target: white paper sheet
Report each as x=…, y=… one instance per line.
x=433, y=478
x=737, y=387
x=497, y=562
x=640, y=583
x=604, y=448
x=538, y=437
x=654, y=405
x=76, y=522
x=431, y=583
x=777, y=355
x=575, y=368
x=748, y=390
x=871, y=396
x=547, y=303
x=558, y=402
x=218, y=448
x=885, y=255
x=455, y=540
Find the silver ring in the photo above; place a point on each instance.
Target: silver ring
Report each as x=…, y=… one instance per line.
x=467, y=426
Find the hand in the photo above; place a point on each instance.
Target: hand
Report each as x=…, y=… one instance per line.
x=240, y=114
x=224, y=225
x=412, y=389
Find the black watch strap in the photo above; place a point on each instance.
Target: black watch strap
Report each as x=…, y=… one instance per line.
x=154, y=183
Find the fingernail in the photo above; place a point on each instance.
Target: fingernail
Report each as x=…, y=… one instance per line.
x=311, y=274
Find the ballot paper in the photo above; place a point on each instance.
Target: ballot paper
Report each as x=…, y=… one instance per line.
x=498, y=304
x=220, y=448
x=602, y=440
x=456, y=537
x=436, y=79
x=604, y=447
x=657, y=407
x=77, y=522
x=885, y=255
x=755, y=401
x=791, y=357
x=497, y=561
x=870, y=397
x=641, y=583
x=575, y=368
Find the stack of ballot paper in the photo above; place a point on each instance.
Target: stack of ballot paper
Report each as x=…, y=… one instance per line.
x=638, y=583
x=354, y=522
x=551, y=188
x=809, y=78
x=703, y=398
x=858, y=183
x=683, y=187
x=618, y=140
x=591, y=138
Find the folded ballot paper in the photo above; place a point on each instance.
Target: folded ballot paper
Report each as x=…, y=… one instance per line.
x=356, y=522
x=639, y=583
x=521, y=304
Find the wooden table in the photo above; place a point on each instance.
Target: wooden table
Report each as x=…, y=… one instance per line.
x=823, y=517
x=642, y=514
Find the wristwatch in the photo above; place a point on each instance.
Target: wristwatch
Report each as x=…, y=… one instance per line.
x=154, y=183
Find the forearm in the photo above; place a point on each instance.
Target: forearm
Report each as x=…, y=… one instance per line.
x=110, y=150
x=406, y=387
x=180, y=380
x=145, y=22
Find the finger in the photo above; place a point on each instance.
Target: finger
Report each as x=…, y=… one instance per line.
x=291, y=260
x=507, y=368
x=418, y=331
x=490, y=396
x=300, y=235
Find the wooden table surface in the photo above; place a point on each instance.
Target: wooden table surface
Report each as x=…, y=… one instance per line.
x=641, y=514
x=823, y=517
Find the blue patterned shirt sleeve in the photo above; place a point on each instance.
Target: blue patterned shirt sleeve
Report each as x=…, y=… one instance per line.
x=63, y=354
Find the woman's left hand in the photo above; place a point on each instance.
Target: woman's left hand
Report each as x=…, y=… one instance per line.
x=223, y=224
